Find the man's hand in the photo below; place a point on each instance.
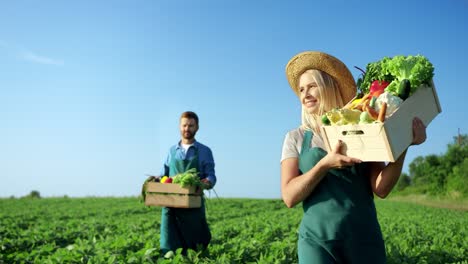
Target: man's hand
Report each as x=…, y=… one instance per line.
x=153, y=178
x=206, y=184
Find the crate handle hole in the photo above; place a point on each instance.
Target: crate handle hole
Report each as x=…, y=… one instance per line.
x=352, y=132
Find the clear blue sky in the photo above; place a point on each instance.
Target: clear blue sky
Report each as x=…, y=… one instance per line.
x=91, y=91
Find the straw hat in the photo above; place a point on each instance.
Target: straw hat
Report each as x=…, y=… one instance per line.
x=321, y=61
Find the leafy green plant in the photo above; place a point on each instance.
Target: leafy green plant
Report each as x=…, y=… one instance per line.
x=188, y=178
x=121, y=230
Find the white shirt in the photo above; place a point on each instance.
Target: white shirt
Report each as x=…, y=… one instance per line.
x=185, y=147
x=292, y=144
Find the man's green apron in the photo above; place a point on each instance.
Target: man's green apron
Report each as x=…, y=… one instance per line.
x=340, y=220
x=183, y=228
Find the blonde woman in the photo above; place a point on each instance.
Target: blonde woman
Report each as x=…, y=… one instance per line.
x=340, y=223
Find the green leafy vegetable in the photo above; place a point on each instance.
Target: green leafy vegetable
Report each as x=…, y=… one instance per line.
x=417, y=69
x=373, y=72
x=188, y=178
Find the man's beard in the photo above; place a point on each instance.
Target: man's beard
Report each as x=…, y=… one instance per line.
x=188, y=135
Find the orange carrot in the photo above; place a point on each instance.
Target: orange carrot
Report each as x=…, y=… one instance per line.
x=371, y=112
x=358, y=107
x=362, y=105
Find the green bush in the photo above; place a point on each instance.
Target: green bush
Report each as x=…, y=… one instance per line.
x=439, y=175
x=34, y=195
x=457, y=186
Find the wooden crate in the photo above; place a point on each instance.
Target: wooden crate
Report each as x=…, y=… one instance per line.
x=385, y=141
x=171, y=195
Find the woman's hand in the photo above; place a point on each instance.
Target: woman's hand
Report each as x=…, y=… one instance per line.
x=419, y=132
x=335, y=159
x=384, y=178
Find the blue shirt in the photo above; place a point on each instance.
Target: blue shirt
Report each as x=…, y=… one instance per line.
x=205, y=158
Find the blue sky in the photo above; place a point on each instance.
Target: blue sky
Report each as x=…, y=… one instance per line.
x=91, y=91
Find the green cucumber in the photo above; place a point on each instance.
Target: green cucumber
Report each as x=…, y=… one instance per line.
x=404, y=89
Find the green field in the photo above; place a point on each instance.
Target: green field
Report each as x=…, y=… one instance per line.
x=122, y=230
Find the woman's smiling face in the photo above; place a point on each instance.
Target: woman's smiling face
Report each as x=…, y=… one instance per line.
x=309, y=94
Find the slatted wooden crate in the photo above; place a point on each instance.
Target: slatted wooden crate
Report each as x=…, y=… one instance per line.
x=171, y=195
x=385, y=141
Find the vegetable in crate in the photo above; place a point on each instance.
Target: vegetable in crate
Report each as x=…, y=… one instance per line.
x=188, y=178
x=365, y=118
x=393, y=73
x=387, y=82
x=404, y=90
x=166, y=179
x=392, y=101
x=341, y=117
x=377, y=87
x=325, y=120
x=417, y=70
x=374, y=78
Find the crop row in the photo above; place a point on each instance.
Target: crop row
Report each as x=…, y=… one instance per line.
x=123, y=230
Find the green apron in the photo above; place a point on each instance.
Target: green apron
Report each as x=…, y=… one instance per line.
x=180, y=227
x=340, y=220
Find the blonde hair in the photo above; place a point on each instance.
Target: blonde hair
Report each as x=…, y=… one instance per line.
x=329, y=97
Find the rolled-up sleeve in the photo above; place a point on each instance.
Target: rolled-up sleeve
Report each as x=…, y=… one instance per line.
x=290, y=149
x=208, y=166
x=165, y=168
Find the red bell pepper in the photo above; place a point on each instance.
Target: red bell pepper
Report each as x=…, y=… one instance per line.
x=377, y=87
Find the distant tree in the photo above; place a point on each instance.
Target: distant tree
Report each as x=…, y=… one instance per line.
x=421, y=170
x=456, y=153
x=442, y=174
x=437, y=174
x=456, y=164
x=461, y=140
x=457, y=180
x=403, y=182
x=34, y=194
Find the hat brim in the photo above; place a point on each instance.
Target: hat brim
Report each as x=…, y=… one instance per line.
x=324, y=62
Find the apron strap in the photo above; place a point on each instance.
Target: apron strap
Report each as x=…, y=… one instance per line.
x=306, y=142
x=177, y=166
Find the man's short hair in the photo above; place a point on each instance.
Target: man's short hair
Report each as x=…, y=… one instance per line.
x=190, y=115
